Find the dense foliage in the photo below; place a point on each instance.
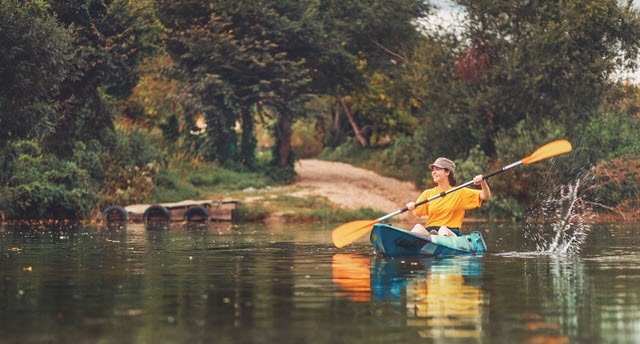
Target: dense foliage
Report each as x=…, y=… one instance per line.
x=101, y=101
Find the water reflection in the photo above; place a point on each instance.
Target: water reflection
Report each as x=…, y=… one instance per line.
x=441, y=298
x=351, y=272
x=261, y=284
x=222, y=227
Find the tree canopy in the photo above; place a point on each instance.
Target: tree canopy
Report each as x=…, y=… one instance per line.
x=86, y=85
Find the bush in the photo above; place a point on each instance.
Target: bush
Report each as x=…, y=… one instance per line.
x=610, y=136
x=131, y=169
x=42, y=186
x=615, y=185
x=251, y=213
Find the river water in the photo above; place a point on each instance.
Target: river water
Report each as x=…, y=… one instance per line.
x=223, y=283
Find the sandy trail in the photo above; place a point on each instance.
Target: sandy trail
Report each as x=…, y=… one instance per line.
x=351, y=187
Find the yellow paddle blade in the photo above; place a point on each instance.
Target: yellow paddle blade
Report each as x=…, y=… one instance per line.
x=549, y=150
x=349, y=232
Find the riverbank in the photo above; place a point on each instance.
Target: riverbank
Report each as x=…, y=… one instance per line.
x=328, y=187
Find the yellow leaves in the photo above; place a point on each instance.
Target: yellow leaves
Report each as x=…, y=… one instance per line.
x=361, y=64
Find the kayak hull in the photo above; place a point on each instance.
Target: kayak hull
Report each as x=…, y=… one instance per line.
x=391, y=241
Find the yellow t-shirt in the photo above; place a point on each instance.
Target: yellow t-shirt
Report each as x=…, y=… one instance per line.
x=448, y=210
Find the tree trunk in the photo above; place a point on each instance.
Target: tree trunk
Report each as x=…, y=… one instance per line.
x=248, y=139
x=353, y=123
x=283, y=131
x=336, y=119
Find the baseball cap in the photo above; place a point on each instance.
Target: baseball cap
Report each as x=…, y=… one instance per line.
x=443, y=163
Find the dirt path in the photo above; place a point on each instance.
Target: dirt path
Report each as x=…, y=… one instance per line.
x=352, y=187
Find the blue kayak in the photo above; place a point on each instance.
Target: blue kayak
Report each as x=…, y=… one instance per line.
x=391, y=241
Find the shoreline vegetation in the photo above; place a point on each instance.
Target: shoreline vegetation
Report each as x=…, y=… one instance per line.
x=303, y=201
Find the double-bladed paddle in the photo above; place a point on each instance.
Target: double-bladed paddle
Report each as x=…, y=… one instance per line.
x=349, y=232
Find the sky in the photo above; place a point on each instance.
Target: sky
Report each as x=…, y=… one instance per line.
x=447, y=15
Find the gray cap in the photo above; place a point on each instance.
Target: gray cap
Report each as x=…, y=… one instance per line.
x=443, y=163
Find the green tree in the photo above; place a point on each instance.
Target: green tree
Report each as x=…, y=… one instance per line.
x=363, y=44
x=518, y=64
x=246, y=59
x=112, y=39
x=233, y=57
x=66, y=65
x=35, y=60
x=540, y=60
x=36, y=55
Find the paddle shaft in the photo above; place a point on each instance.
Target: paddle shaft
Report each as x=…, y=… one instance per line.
x=442, y=194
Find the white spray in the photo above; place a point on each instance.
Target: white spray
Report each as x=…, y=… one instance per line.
x=570, y=219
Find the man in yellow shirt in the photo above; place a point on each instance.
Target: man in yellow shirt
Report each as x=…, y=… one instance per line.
x=445, y=214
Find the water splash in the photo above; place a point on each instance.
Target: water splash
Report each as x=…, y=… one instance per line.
x=566, y=222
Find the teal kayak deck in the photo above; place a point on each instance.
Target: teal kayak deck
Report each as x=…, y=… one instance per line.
x=391, y=241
